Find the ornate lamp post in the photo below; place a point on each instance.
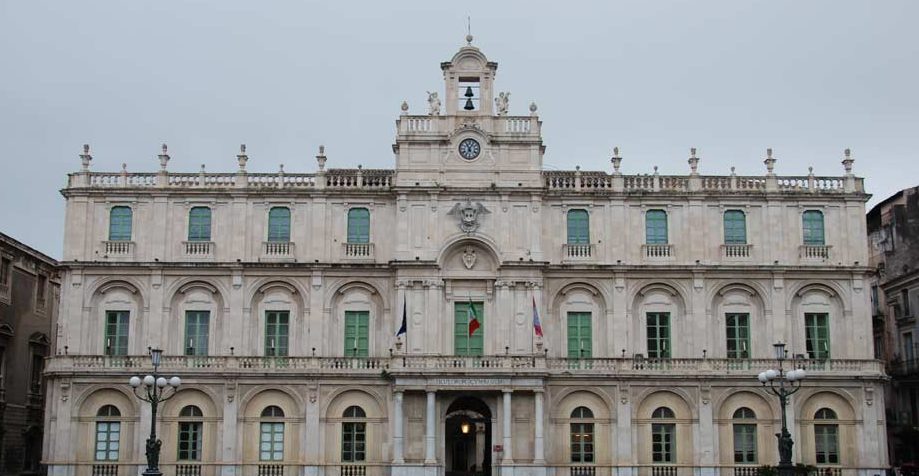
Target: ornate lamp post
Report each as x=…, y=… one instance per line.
x=154, y=391
x=783, y=384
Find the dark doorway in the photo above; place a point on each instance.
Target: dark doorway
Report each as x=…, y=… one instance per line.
x=467, y=442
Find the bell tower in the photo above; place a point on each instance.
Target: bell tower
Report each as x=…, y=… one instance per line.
x=469, y=82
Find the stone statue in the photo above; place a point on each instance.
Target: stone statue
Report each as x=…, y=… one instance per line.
x=501, y=103
x=433, y=104
x=785, y=445
x=153, y=453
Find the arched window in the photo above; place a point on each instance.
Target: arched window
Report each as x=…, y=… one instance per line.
x=663, y=436
x=578, y=227
x=826, y=437
x=735, y=227
x=353, y=435
x=358, y=225
x=582, y=435
x=199, y=224
x=744, y=436
x=279, y=224
x=271, y=437
x=813, y=228
x=108, y=433
x=656, y=227
x=119, y=224
x=190, y=433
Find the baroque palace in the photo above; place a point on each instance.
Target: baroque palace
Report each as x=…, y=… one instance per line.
x=555, y=322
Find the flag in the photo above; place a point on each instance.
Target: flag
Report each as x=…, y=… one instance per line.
x=404, y=326
x=473, y=319
x=537, y=327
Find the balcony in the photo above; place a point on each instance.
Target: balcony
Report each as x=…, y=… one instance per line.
x=118, y=249
x=657, y=252
x=736, y=251
x=814, y=252
x=277, y=251
x=358, y=251
x=580, y=252
x=198, y=249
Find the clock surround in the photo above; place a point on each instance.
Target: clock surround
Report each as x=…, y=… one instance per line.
x=469, y=149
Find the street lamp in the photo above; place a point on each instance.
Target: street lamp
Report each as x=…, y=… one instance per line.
x=788, y=383
x=154, y=391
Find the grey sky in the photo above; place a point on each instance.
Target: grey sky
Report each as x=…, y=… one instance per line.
x=730, y=77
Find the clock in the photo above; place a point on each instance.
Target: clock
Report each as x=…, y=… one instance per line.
x=469, y=149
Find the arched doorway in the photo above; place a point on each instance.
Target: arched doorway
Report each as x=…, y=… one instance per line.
x=467, y=438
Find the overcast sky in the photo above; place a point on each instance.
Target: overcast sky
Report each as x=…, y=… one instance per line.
x=808, y=78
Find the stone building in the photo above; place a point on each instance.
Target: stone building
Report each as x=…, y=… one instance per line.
x=893, y=236
x=278, y=299
x=29, y=294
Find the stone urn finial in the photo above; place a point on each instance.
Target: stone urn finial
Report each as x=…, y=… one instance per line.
x=770, y=162
x=321, y=158
x=693, y=161
x=404, y=108
x=847, y=161
x=86, y=158
x=242, y=158
x=164, y=158
x=616, y=160
x=533, y=108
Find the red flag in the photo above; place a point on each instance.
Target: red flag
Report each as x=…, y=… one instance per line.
x=537, y=327
x=473, y=319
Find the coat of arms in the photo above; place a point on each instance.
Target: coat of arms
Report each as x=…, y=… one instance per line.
x=468, y=215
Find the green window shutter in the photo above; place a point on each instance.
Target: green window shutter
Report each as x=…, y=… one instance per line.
x=813, y=228
x=463, y=343
x=738, y=335
x=735, y=227
x=271, y=442
x=119, y=228
x=277, y=332
x=658, y=335
x=578, y=227
x=116, y=332
x=656, y=227
x=744, y=443
x=817, y=335
x=108, y=440
x=358, y=225
x=357, y=332
x=197, y=332
x=579, y=335
x=199, y=224
x=279, y=224
x=353, y=442
x=189, y=441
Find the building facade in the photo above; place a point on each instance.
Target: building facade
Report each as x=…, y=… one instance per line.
x=29, y=294
x=893, y=231
x=278, y=299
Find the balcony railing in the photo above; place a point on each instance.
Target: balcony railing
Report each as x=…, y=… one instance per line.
x=657, y=251
x=198, y=249
x=270, y=470
x=751, y=470
x=352, y=470
x=188, y=470
x=814, y=252
x=736, y=251
x=363, y=251
x=118, y=248
x=105, y=470
x=579, y=252
x=278, y=249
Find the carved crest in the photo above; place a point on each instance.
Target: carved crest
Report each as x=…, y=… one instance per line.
x=469, y=257
x=468, y=215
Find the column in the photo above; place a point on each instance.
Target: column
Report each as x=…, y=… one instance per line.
x=429, y=456
x=506, y=429
x=397, y=443
x=539, y=453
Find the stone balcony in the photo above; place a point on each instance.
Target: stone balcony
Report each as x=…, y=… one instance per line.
x=357, y=251
x=198, y=249
x=579, y=252
x=118, y=249
x=277, y=251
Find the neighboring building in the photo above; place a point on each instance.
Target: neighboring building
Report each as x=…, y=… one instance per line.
x=29, y=295
x=277, y=298
x=893, y=233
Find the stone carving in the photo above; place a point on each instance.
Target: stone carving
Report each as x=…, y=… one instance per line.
x=501, y=103
x=433, y=104
x=469, y=257
x=468, y=215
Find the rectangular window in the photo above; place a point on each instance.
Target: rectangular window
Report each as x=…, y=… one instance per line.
x=738, y=335
x=279, y=224
x=817, y=335
x=813, y=228
x=271, y=442
x=826, y=442
x=909, y=351
x=41, y=290
x=199, y=224
x=197, y=330
x=108, y=440
x=663, y=443
x=189, y=441
x=120, y=224
x=904, y=299
x=745, y=443
x=356, y=333
x=463, y=342
x=578, y=227
x=116, y=332
x=659, y=335
x=358, y=225
x=735, y=227
x=38, y=365
x=277, y=329
x=582, y=442
x=579, y=335
x=656, y=227
x=353, y=442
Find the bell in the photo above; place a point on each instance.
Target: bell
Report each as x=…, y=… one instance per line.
x=469, y=106
x=469, y=93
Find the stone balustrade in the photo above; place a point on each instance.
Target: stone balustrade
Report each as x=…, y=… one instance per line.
x=361, y=251
x=736, y=251
x=118, y=248
x=198, y=249
x=578, y=252
x=814, y=252
x=442, y=125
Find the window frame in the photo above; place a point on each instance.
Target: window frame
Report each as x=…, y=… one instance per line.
x=193, y=342
x=581, y=436
x=656, y=227
x=117, y=344
x=809, y=228
x=658, y=351
x=826, y=437
x=116, y=228
x=474, y=344
x=663, y=436
x=580, y=317
x=201, y=231
x=358, y=225
x=277, y=344
x=742, y=343
x=272, y=419
x=279, y=231
x=577, y=224
x=357, y=332
x=354, y=435
x=734, y=234
x=190, y=431
x=817, y=333
x=744, y=420
x=108, y=422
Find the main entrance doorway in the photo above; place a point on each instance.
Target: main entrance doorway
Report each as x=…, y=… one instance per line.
x=467, y=438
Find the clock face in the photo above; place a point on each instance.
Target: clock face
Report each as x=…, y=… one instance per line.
x=469, y=149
